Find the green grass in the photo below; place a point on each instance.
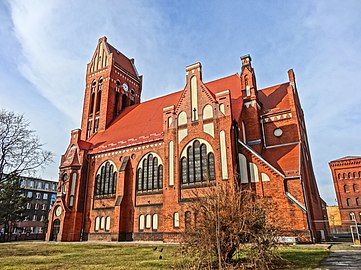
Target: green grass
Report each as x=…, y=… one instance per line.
x=39, y=255
x=302, y=257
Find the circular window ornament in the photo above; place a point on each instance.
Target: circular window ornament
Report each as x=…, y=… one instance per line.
x=58, y=211
x=125, y=87
x=278, y=132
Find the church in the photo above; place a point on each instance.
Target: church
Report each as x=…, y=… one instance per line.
x=131, y=171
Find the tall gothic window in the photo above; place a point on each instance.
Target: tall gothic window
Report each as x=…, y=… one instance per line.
x=99, y=95
x=198, y=165
x=117, y=105
x=92, y=97
x=149, y=174
x=106, y=180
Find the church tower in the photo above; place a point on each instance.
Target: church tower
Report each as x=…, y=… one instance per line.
x=112, y=85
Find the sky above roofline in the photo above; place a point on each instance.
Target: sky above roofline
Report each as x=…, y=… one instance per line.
x=45, y=48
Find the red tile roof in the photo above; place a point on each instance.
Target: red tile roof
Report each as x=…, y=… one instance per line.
x=346, y=158
x=123, y=61
x=274, y=98
x=142, y=123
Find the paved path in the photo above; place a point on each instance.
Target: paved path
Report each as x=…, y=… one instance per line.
x=343, y=259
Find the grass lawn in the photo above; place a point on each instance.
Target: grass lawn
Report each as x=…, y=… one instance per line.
x=40, y=255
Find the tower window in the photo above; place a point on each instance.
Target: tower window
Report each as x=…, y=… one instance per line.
x=99, y=95
x=124, y=101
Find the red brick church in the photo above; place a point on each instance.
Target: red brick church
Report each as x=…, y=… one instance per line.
x=129, y=173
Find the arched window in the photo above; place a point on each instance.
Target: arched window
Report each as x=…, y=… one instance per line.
x=97, y=224
x=107, y=224
x=155, y=222
x=99, y=95
x=150, y=174
x=348, y=201
x=72, y=189
x=354, y=175
x=345, y=188
x=349, y=175
x=117, y=104
x=102, y=223
x=92, y=97
x=355, y=187
x=339, y=176
x=176, y=220
x=352, y=216
x=63, y=183
x=197, y=164
x=344, y=175
x=141, y=222
x=106, y=180
x=357, y=201
x=148, y=221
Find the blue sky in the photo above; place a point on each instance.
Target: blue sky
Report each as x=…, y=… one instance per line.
x=45, y=47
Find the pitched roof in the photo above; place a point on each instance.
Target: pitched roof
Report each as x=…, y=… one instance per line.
x=274, y=98
x=123, y=61
x=142, y=123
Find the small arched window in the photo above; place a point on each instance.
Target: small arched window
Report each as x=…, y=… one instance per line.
x=345, y=188
x=106, y=180
x=141, y=222
x=155, y=222
x=148, y=221
x=348, y=202
x=176, y=220
x=344, y=175
x=349, y=175
x=352, y=216
x=354, y=175
x=150, y=174
x=107, y=224
x=197, y=164
x=72, y=189
x=355, y=187
x=357, y=201
x=102, y=223
x=97, y=224
x=339, y=176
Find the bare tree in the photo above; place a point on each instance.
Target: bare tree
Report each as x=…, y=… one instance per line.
x=20, y=149
x=231, y=229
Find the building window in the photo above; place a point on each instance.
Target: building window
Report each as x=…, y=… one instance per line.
x=107, y=224
x=44, y=207
x=92, y=97
x=176, y=220
x=38, y=195
x=141, y=222
x=30, y=194
x=197, y=165
x=102, y=223
x=339, y=176
x=45, y=196
x=28, y=205
x=357, y=201
x=106, y=180
x=36, y=206
x=155, y=222
x=97, y=224
x=345, y=188
x=352, y=216
x=40, y=185
x=72, y=189
x=355, y=187
x=99, y=95
x=149, y=174
x=148, y=221
x=34, y=217
x=344, y=175
x=348, y=201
